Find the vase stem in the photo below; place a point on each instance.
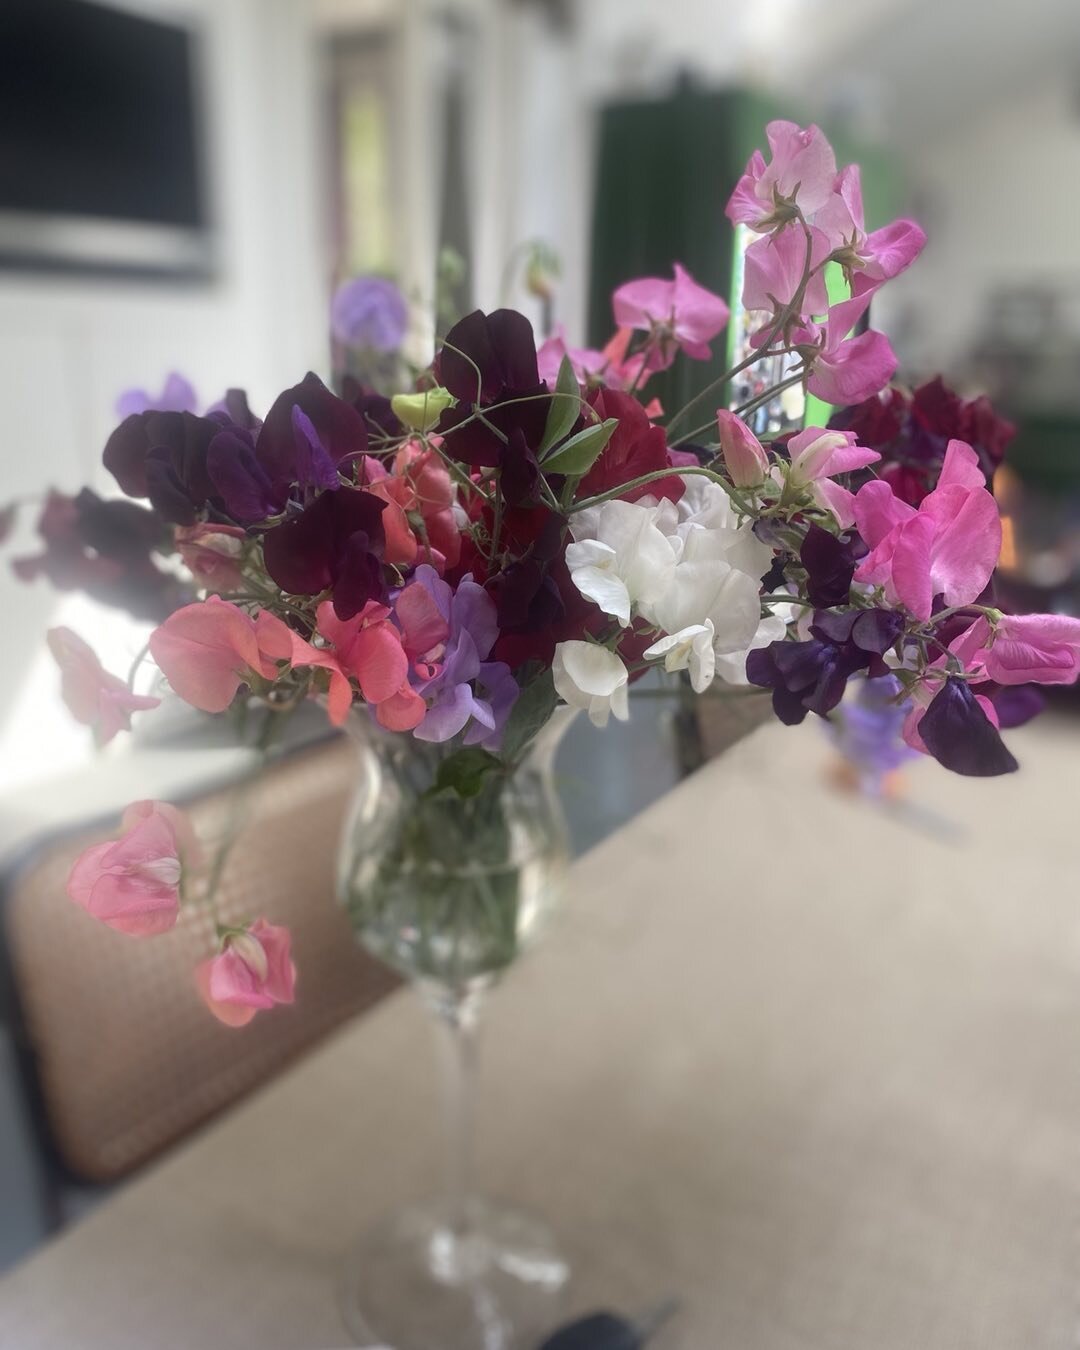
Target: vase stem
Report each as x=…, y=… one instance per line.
x=457, y=1016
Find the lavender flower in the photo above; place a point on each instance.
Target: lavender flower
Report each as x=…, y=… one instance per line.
x=369, y=312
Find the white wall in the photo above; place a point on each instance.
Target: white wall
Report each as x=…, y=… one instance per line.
x=69, y=346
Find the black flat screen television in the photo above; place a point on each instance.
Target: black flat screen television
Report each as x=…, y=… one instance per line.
x=101, y=157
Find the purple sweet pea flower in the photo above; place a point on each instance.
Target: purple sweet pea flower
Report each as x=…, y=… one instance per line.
x=369, y=312
x=178, y=395
x=959, y=735
x=454, y=704
x=867, y=731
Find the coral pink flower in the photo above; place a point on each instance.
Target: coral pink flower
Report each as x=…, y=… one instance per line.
x=677, y=313
x=1042, y=648
x=93, y=696
x=369, y=648
x=948, y=547
x=802, y=169
x=251, y=973
x=207, y=650
x=744, y=455
x=419, y=519
x=212, y=554
x=133, y=883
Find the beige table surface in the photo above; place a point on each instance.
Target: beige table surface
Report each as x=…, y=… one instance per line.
x=810, y=1068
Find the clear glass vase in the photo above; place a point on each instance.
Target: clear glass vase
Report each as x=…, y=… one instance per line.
x=449, y=889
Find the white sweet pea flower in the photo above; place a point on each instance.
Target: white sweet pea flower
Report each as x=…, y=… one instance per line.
x=593, y=679
x=620, y=558
x=689, y=649
x=703, y=523
x=709, y=610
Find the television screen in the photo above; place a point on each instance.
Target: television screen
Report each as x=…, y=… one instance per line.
x=99, y=127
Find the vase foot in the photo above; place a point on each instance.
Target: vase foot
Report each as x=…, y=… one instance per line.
x=495, y=1282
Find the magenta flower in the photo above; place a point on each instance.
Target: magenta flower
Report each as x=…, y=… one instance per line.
x=1043, y=648
x=133, y=883
x=948, y=547
x=675, y=314
x=93, y=696
x=252, y=972
x=847, y=369
x=801, y=172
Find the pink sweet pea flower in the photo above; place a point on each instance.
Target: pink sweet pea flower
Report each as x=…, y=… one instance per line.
x=744, y=455
x=802, y=170
x=1037, y=648
x=869, y=259
x=589, y=365
x=251, y=973
x=93, y=696
x=847, y=369
x=212, y=553
x=677, y=313
x=948, y=547
x=817, y=455
x=208, y=649
x=369, y=648
x=773, y=272
x=133, y=883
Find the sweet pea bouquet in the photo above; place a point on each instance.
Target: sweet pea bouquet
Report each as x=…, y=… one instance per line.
x=523, y=527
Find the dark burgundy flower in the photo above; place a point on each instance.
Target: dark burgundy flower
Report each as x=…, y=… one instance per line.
x=637, y=447
x=959, y=735
x=519, y=477
x=830, y=564
x=379, y=417
x=162, y=456
x=982, y=427
x=912, y=433
x=488, y=360
x=335, y=545
x=937, y=408
x=105, y=549
x=527, y=595
x=233, y=410
x=338, y=427
x=875, y=421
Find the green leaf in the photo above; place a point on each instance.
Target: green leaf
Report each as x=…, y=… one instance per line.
x=534, y=706
x=464, y=771
x=580, y=452
x=565, y=407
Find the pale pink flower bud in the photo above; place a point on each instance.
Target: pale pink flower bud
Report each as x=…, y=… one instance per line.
x=251, y=973
x=744, y=455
